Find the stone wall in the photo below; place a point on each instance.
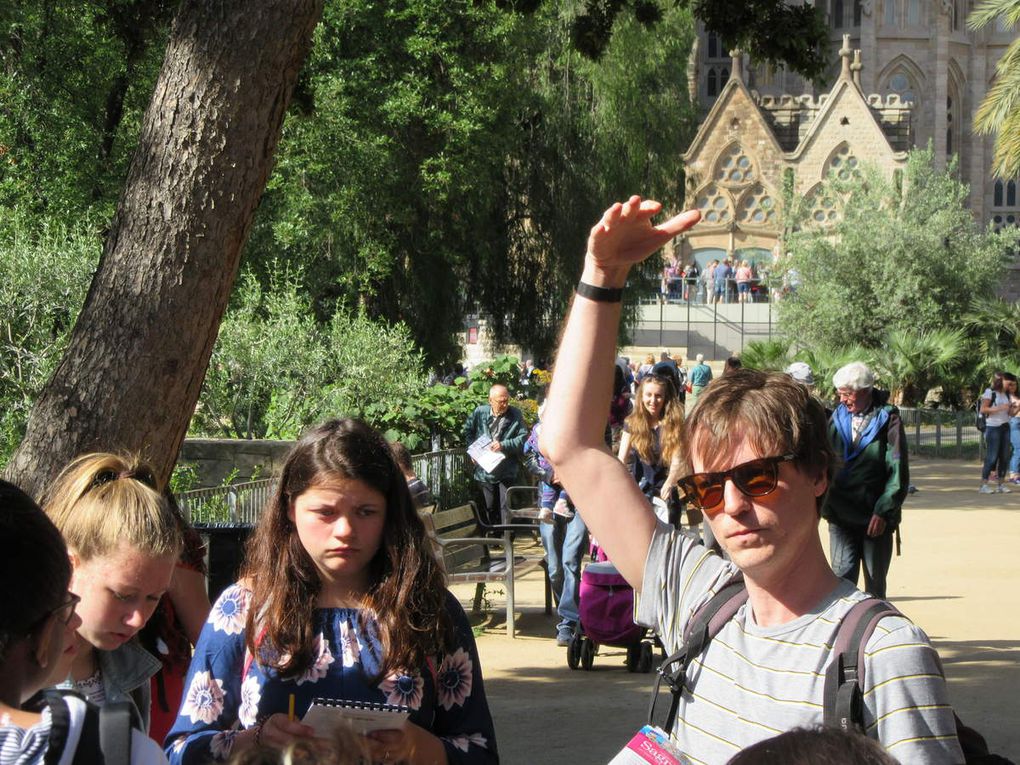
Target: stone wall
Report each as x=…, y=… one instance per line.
x=217, y=458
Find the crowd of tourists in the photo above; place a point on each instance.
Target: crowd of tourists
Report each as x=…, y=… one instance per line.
x=729, y=280
x=341, y=600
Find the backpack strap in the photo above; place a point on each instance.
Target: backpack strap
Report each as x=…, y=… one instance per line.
x=704, y=624
x=843, y=695
x=115, y=733
x=60, y=727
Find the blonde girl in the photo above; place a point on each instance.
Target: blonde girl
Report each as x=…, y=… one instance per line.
x=123, y=540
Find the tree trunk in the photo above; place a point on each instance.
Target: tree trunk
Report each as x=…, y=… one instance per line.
x=134, y=367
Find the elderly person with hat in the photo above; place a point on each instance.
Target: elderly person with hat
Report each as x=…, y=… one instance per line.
x=864, y=503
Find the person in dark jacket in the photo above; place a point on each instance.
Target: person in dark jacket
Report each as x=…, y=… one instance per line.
x=504, y=425
x=865, y=500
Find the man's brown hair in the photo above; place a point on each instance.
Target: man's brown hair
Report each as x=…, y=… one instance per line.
x=776, y=414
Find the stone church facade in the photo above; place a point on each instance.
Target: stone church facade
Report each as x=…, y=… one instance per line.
x=908, y=72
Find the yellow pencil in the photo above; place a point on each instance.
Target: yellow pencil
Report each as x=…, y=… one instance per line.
x=290, y=707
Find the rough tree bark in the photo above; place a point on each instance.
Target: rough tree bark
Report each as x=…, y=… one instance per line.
x=134, y=367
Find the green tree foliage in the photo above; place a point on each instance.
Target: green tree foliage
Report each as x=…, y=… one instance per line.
x=450, y=158
x=275, y=369
x=776, y=31
x=74, y=81
x=44, y=275
x=911, y=261
x=999, y=112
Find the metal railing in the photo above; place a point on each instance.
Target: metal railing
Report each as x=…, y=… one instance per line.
x=942, y=433
x=694, y=290
x=447, y=473
x=716, y=330
x=238, y=503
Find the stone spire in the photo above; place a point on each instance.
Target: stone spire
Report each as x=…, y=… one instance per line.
x=844, y=54
x=737, y=64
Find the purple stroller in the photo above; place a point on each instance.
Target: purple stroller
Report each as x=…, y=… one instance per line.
x=606, y=606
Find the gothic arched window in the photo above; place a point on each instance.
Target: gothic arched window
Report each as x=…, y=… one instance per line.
x=889, y=13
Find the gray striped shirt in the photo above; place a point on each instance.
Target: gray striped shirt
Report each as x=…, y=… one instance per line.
x=754, y=682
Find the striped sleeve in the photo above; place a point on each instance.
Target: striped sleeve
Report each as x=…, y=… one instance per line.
x=905, y=696
x=679, y=575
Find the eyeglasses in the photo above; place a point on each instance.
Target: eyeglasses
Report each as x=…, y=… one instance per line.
x=755, y=479
x=64, y=612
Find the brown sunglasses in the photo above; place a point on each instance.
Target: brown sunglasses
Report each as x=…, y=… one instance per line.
x=755, y=478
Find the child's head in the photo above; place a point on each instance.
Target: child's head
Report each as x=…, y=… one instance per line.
x=123, y=538
x=38, y=618
x=806, y=746
x=342, y=515
x=403, y=457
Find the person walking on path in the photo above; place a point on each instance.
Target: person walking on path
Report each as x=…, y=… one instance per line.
x=995, y=406
x=763, y=462
x=701, y=375
x=1010, y=385
x=504, y=426
x=865, y=501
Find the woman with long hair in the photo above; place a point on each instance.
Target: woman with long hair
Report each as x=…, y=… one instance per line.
x=341, y=597
x=123, y=540
x=652, y=433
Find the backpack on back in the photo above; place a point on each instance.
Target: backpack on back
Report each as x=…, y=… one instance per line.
x=843, y=696
x=105, y=737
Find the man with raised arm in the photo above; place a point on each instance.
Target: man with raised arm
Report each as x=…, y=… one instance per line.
x=761, y=459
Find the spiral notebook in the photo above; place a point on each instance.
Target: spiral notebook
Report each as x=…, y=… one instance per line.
x=325, y=715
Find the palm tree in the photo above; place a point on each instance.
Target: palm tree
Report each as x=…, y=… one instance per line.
x=1000, y=110
x=766, y=355
x=994, y=324
x=911, y=362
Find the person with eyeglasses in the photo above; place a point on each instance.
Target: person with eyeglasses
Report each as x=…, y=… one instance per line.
x=761, y=462
x=865, y=501
x=123, y=540
x=37, y=645
x=504, y=428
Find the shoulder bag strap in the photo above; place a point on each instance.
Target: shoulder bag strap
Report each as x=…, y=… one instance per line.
x=115, y=733
x=60, y=726
x=703, y=625
x=843, y=695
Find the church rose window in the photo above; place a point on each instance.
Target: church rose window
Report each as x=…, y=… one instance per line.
x=714, y=205
x=735, y=166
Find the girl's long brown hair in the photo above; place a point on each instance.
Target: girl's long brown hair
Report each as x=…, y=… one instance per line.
x=408, y=590
x=641, y=426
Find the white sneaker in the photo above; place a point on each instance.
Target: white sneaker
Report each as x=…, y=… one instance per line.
x=1003, y=489
x=986, y=489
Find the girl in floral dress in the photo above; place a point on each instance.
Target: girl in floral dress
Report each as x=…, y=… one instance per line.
x=341, y=597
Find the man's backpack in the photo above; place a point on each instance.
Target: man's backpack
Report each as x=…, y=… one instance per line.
x=842, y=698
x=105, y=735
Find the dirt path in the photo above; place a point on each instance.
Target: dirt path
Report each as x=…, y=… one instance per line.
x=957, y=579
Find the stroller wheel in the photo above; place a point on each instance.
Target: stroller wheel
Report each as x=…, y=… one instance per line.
x=634, y=654
x=574, y=651
x=587, y=654
x=644, y=663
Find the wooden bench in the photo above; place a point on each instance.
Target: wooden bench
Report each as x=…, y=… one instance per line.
x=473, y=554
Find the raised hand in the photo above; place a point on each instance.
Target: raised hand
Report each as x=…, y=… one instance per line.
x=625, y=234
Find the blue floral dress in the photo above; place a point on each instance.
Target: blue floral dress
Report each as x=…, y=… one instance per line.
x=447, y=697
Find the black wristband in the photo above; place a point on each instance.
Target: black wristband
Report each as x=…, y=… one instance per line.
x=600, y=294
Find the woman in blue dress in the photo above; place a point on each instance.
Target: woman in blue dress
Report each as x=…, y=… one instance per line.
x=341, y=597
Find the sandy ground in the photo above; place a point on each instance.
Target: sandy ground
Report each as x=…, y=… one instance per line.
x=957, y=578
